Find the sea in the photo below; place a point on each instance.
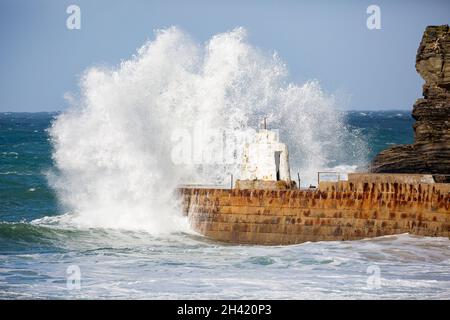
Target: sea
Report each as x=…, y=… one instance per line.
x=41, y=257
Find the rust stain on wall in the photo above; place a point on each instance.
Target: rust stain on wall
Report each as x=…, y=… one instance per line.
x=336, y=211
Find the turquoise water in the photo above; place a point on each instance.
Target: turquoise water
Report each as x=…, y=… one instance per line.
x=37, y=254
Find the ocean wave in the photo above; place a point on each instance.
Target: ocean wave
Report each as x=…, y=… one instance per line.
x=134, y=264
x=16, y=173
x=23, y=232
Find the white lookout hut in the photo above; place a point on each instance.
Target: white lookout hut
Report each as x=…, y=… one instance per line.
x=265, y=162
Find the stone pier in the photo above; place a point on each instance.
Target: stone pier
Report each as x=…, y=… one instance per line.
x=367, y=205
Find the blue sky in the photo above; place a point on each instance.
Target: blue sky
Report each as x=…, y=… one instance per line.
x=40, y=59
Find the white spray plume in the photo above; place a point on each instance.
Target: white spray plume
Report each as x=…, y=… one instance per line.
x=114, y=147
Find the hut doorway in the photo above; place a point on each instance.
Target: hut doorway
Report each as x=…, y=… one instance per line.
x=277, y=164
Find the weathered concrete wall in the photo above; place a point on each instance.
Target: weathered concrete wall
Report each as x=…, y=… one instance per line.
x=337, y=211
x=266, y=185
x=390, y=177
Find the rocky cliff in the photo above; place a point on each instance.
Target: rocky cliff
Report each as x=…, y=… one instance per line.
x=430, y=152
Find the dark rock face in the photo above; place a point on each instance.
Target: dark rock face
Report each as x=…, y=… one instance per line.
x=430, y=152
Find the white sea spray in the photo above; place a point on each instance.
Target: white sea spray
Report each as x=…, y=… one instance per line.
x=114, y=146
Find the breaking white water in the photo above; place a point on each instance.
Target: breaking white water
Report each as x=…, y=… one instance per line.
x=179, y=112
x=117, y=264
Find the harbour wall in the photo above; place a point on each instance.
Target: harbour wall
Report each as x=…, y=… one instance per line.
x=362, y=207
